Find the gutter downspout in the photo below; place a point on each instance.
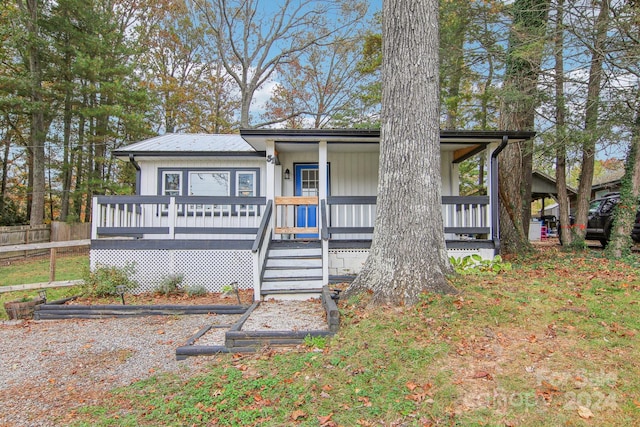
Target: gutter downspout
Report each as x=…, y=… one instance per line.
x=495, y=197
x=135, y=164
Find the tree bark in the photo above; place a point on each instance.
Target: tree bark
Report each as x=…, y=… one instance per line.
x=566, y=237
x=408, y=254
x=591, y=122
x=38, y=130
x=625, y=215
x=524, y=57
x=6, y=144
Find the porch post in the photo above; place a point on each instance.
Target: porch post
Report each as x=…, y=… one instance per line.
x=97, y=218
x=271, y=175
x=494, y=199
x=271, y=168
x=322, y=195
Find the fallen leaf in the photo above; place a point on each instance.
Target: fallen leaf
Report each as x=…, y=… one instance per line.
x=325, y=420
x=482, y=374
x=365, y=401
x=411, y=385
x=585, y=412
x=295, y=415
x=417, y=397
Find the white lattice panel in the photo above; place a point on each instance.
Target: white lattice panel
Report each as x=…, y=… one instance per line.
x=211, y=269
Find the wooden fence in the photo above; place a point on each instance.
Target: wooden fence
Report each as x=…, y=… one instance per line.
x=27, y=234
x=52, y=247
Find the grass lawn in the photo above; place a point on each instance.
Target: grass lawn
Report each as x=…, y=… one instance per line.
x=552, y=342
x=37, y=271
x=68, y=267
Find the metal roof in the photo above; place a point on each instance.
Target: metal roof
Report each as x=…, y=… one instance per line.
x=258, y=137
x=252, y=142
x=186, y=144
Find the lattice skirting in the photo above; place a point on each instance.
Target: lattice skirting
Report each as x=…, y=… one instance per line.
x=350, y=261
x=461, y=253
x=211, y=269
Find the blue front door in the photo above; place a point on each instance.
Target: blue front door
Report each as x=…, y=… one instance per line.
x=306, y=184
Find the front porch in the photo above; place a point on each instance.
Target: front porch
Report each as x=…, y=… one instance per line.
x=239, y=209
x=259, y=243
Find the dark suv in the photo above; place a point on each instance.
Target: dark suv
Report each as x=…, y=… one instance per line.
x=600, y=219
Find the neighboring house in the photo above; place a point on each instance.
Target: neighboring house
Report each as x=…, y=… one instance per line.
x=279, y=211
x=543, y=186
x=601, y=188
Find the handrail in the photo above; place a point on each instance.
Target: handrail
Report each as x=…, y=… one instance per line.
x=325, y=224
x=371, y=200
x=351, y=200
x=262, y=230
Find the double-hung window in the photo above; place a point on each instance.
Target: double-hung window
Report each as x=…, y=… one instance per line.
x=171, y=181
x=246, y=187
x=171, y=185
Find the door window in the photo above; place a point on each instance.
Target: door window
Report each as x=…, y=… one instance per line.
x=309, y=178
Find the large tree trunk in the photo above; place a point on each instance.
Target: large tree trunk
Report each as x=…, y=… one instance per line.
x=38, y=129
x=630, y=191
x=566, y=237
x=6, y=143
x=408, y=254
x=591, y=121
x=518, y=113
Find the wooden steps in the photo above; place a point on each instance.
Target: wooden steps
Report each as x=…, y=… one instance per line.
x=293, y=270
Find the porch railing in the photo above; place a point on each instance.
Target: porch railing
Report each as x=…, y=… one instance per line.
x=354, y=217
x=347, y=217
x=165, y=217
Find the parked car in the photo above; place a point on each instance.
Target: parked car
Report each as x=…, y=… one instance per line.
x=600, y=219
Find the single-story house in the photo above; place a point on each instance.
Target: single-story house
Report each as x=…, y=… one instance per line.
x=279, y=211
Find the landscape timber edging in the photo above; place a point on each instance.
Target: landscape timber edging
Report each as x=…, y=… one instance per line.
x=60, y=311
x=239, y=341
x=333, y=314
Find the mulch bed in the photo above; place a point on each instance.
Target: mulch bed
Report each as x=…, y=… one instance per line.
x=143, y=305
x=246, y=298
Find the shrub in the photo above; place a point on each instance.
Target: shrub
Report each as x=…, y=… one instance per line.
x=196, y=291
x=104, y=280
x=170, y=285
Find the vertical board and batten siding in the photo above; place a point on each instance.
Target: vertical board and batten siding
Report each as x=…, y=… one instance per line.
x=150, y=185
x=150, y=176
x=353, y=174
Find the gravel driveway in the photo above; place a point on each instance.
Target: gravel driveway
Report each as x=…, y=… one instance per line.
x=47, y=368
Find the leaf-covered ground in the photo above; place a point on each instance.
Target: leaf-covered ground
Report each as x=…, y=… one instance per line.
x=552, y=342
